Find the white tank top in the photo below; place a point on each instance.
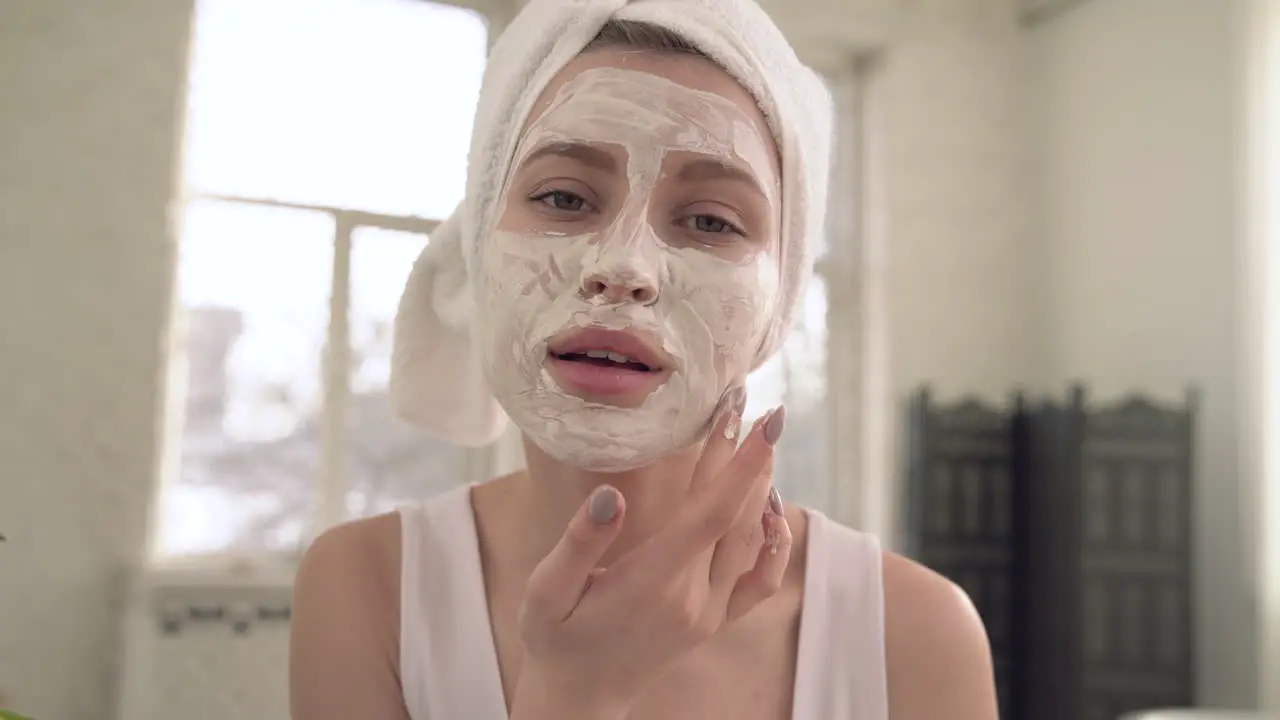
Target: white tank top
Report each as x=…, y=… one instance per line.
x=449, y=664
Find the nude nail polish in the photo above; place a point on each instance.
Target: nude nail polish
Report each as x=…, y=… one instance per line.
x=773, y=426
x=604, y=505
x=775, y=501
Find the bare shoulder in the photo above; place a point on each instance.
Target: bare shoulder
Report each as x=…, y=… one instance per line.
x=937, y=655
x=344, y=654
x=375, y=541
x=354, y=569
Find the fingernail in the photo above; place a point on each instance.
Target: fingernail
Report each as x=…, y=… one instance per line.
x=604, y=505
x=740, y=400
x=773, y=426
x=775, y=501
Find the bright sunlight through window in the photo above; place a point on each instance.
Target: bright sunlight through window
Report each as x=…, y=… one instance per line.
x=324, y=138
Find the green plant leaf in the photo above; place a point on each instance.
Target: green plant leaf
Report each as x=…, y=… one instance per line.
x=10, y=715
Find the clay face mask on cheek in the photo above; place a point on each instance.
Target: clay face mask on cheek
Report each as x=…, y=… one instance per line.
x=705, y=313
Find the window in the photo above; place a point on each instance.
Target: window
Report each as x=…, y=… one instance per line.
x=797, y=376
x=324, y=139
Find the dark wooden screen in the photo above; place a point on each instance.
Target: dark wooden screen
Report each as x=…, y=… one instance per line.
x=1070, y=528
x=962, y=518
x=1109, y=561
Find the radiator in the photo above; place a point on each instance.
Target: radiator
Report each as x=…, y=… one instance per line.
x=206, y=646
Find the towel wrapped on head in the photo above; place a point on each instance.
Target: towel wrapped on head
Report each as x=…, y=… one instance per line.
x=437, y=382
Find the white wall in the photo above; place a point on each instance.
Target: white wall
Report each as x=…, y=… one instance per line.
x=1139, y=195
x=949, y=228
x=90, y=97
x=949, y=140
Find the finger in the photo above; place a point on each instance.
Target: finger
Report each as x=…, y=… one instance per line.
x=765, y=579
x=741, y=487
x=559, y=581
x=726, y=430
x=709, y=515
x=735, y=553
x=745, y=528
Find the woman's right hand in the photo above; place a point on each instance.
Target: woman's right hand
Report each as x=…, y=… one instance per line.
x=595, y=639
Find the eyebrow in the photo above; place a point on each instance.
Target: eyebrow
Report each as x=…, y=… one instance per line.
x=703, y=169
x=588, y=155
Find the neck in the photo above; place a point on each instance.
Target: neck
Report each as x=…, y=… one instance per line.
x=550, y=492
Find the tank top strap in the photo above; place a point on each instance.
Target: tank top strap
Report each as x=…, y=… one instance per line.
x=841, y=664
x=448, y=664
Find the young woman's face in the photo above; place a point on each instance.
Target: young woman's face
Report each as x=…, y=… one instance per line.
x=631, y=272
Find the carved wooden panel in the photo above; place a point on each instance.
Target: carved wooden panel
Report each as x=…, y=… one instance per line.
x=962, y=514
x=1070, y=528
x=1109, y=591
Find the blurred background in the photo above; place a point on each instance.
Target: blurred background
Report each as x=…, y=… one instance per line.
x=1040, y=355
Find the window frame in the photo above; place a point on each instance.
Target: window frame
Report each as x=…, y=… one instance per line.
x=331, y=486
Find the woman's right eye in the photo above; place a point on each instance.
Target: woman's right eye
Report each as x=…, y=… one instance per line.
x=562, y=201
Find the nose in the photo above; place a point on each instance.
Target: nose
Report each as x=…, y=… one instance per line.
x=620, y=287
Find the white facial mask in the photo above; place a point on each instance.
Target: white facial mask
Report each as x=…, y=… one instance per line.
x=710, y=313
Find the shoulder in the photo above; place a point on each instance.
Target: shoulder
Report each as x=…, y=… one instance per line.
x=345, y=628
x=367, y=550
x=351, y=574
x=937, y=656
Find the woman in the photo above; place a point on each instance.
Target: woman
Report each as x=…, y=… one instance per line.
x=642, y=184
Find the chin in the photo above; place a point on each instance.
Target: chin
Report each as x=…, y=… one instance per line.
x=604, y=438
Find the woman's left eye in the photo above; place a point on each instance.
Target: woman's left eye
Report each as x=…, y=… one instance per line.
x=712, y=224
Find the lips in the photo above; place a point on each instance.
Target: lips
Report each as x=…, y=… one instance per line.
x=607, y=365
x=608, y=348
x=605, y=358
